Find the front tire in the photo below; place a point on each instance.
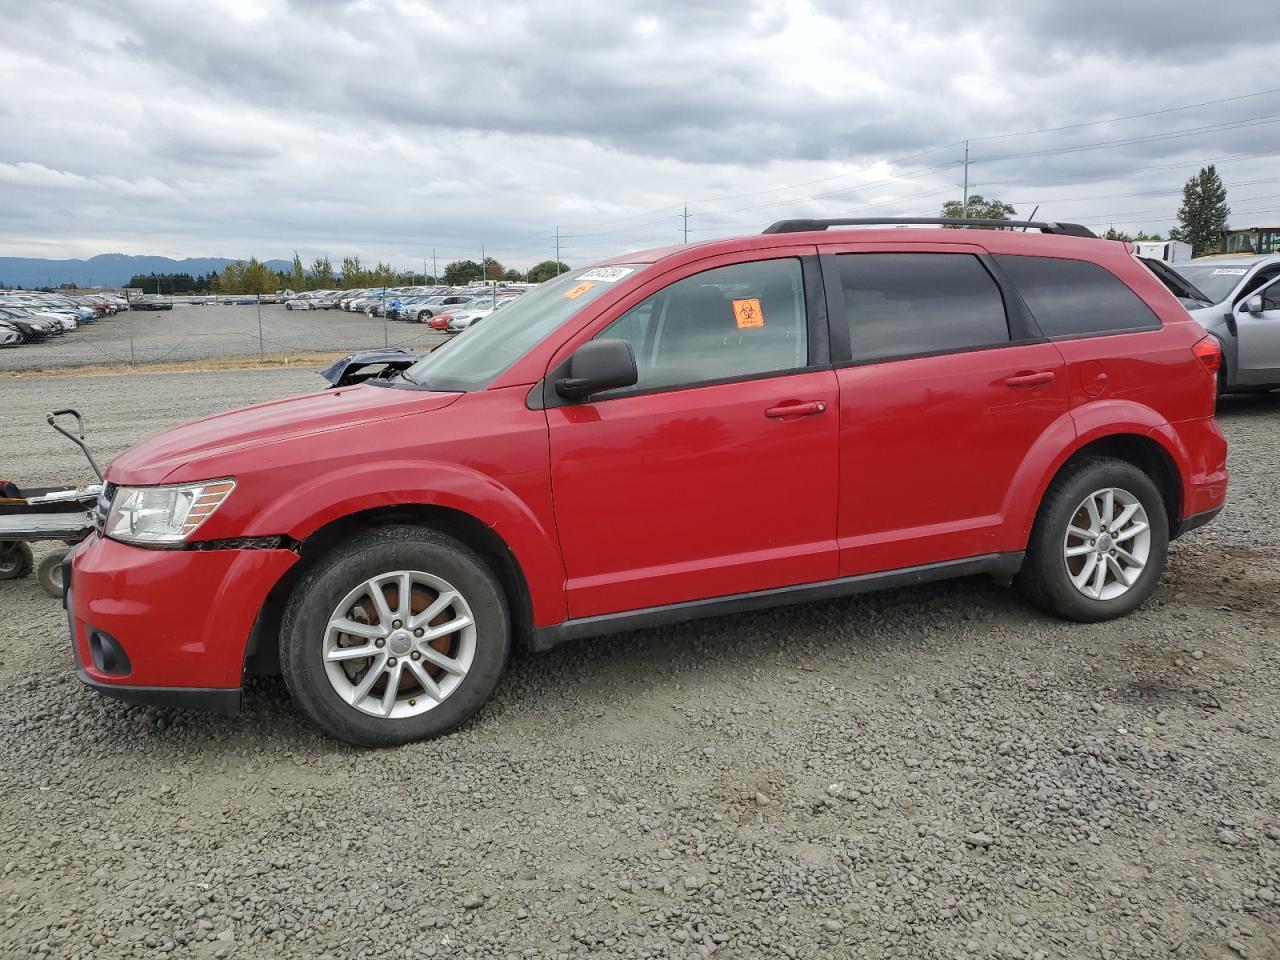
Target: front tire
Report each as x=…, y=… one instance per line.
x=1099, y=543
x=399, y=634
x=15, y=560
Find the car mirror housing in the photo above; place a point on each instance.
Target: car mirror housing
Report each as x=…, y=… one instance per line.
x=596, y=366
x=1254, y=304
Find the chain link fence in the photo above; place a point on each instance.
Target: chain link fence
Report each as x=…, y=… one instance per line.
x=215, y=332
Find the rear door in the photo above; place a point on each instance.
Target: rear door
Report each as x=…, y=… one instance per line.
x=943, y=391
x=1259, y=336
x=716, y=473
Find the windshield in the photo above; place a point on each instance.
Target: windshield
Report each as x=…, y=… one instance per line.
x=1216, y=282
x=474, y=359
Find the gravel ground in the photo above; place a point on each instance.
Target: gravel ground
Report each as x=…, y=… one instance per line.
x=190, y=332
x=937, y=772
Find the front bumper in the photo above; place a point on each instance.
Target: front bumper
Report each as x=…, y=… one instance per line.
x=166, y=627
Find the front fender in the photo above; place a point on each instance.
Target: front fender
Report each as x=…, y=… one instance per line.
x=354, y=488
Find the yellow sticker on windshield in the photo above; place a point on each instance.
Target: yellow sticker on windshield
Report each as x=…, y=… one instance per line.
x=748, y=313
x=578, y=291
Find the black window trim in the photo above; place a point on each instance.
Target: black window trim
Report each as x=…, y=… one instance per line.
x=1022, y=326
x=543, y=395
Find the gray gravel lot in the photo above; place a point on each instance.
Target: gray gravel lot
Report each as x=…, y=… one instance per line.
x=201, y=332
x=937, y=772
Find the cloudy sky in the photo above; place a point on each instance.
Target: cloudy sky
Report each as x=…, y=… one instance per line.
x=389, y=128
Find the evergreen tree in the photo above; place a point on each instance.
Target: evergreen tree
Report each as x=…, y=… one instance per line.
x=1203, y=214
x=297, y=276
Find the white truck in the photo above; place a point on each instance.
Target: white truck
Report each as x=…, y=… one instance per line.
x=1170, y=251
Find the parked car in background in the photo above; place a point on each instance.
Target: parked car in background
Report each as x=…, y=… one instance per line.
x=1236, y=299
x=825, y=412
x=459, y=320
x=10, y=336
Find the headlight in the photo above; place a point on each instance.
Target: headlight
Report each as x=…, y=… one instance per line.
x=164, y=515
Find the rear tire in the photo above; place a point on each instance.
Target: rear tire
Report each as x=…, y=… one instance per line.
x=462, y=666
x=15, y=560
x=1072, y=541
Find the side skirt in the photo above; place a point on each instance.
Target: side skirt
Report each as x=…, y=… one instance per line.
x=1001, y=566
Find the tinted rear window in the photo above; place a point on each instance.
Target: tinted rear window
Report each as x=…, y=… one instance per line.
x=910, y=304
x=1075, y=298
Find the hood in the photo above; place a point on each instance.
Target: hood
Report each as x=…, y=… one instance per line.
x=162, y=457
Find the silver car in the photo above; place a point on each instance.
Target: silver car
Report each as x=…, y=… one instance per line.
x=1237, y=299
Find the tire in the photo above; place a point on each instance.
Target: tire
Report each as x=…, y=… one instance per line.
x=325, y=593
x=49, y=573
x=1048, y=576
x=15, y=560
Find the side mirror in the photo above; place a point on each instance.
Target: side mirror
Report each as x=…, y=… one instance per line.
x=1254, y=304
x=596, y=366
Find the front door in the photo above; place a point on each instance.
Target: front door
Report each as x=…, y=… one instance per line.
x=716, y=473
x=1258, y=353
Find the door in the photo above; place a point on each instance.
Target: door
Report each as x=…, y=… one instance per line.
x=943, y=392
x=1258, y=353
x=716, y=473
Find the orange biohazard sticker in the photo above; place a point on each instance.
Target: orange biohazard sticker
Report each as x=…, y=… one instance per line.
x=578, y=291
x=748, y=313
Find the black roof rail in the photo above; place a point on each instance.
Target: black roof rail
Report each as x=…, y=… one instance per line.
x=803, y=226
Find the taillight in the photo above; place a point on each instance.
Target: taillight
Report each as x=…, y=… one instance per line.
x=1209, y=351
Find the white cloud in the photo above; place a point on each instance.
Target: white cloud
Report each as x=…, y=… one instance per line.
x=387, y=129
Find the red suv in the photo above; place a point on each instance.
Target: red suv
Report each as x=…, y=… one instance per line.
x=668, y=435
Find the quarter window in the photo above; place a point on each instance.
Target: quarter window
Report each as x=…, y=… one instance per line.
x=912, y=304
x=737, y=321
x=1076, y=298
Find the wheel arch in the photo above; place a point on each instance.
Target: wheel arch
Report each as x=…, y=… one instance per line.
x=262, y=653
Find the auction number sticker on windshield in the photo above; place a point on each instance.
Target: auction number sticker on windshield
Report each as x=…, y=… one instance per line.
x=607, y=274
x=578, y=291
x=748, y=313
x=1231, y=271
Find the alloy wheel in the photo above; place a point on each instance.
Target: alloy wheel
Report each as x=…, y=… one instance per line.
x=1107, y=544
x=399, y=644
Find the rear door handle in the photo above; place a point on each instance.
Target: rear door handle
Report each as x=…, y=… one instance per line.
x=805, y=408
x=1029, y=379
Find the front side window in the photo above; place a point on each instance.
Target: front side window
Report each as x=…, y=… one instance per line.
x=913, y=304
x=1076, y=298
x=743, y=320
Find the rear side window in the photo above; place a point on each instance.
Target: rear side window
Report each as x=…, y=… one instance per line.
x=909, y=304
x=1076, y=298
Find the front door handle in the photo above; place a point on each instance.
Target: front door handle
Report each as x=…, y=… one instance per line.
x=1029, y=379
x=805, y=408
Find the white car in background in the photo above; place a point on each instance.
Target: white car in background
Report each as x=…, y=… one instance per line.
x=461, y=319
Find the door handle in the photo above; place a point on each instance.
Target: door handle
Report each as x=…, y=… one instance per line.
x=806, y=408
x=1030, y=379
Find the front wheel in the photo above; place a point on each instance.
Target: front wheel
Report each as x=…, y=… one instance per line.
x=1099, y=542
x=399, y=634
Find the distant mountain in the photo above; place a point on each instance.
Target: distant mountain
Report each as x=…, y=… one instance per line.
x=106, y=269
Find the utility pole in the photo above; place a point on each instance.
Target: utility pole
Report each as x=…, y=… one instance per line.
x=483, y=272
x=435, y=270
x=557, y=251
x=685, y=216
x=964, y=204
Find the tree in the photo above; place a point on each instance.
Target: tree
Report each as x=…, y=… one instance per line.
x=546, y=270
x=354, y=274
x=493, y=270
x=297, y=276
x=320, y=276
x=1114, y=234
x=980, y=208
x=252, y=277
x=383, y=275
x=460, y=272
x=511, y=275
x=1203, y=214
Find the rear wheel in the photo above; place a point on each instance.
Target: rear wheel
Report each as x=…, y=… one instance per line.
x=15, y=560
x=1099, y=542
x=399, y=634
